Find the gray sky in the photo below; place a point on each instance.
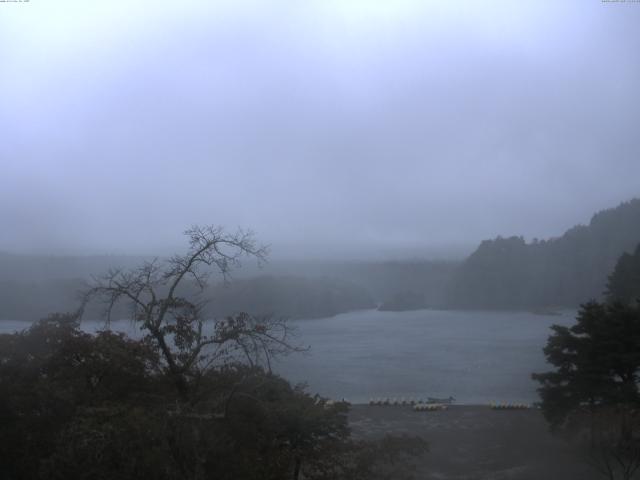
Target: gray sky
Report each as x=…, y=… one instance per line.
x=330, y=127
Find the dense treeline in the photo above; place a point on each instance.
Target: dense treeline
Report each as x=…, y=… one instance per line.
x=405, y=285
x=81, y=406
x=395, y=285
x=296, y=290
x=292, y=297
x=288, y=296
x=624, y=282
x=564, y=271
x=32, y=300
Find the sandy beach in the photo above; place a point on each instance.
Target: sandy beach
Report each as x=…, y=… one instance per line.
x=476, y=442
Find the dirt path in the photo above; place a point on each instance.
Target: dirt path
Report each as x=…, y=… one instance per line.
x=474, y=442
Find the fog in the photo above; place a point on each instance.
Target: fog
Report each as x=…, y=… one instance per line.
x=351, y=129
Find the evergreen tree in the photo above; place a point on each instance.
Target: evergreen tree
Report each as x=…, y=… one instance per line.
x=624, y=282
x=593, y=391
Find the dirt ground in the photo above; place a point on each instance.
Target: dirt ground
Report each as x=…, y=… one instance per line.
x=476, y=442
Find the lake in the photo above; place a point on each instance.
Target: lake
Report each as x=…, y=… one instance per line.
x=476, y=357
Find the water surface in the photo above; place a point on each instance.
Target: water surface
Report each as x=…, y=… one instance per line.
x=476, y=357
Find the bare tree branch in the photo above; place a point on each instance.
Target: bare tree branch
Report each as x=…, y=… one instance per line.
x=175, y=324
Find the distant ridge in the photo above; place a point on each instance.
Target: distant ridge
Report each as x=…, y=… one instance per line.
x=33, y=268
x=559, y=272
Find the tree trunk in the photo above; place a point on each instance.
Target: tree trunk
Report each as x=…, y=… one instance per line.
x=296, y=470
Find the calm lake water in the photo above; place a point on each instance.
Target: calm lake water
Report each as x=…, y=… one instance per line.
x=477, y=357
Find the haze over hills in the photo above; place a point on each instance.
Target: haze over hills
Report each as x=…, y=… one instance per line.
x=563, y=271
x=503, y=273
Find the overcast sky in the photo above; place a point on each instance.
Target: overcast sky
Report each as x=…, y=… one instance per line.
x=330, y=127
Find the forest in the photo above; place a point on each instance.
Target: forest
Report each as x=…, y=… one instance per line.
x=558, y=272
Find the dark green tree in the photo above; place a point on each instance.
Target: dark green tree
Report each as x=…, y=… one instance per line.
x=81, y=406
x=593, y=390
x=57, y=387
x=624, y=282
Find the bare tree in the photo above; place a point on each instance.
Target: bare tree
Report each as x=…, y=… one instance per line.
x=175, y=324
x=608, y=438
x=614, y=442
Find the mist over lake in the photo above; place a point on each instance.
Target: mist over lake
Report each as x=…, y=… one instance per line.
x=475, y=356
